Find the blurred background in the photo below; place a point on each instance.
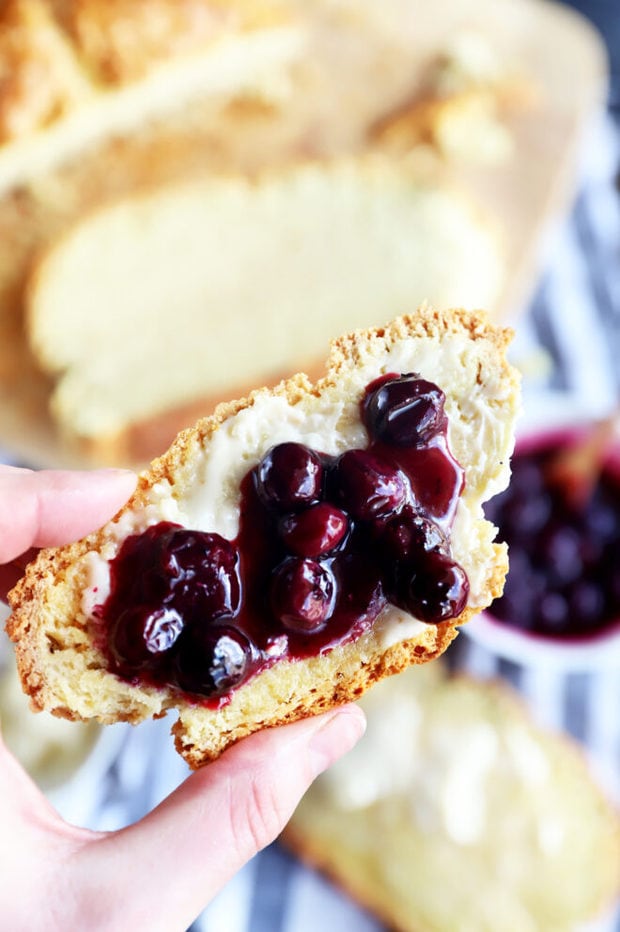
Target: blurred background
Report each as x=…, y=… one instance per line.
x=253, y=186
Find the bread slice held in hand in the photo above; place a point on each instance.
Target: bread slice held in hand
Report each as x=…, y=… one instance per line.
x=289, y=550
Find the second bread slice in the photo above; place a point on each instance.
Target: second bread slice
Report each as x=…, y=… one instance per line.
x=233, y=282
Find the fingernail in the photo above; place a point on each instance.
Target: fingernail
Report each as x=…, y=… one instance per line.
x=337, y=734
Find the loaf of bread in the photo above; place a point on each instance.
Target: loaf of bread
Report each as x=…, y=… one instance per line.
x=102, y=103
x=455, y=811
x=61, y=620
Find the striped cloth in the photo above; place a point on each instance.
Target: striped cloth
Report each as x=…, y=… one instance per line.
x=573, y=325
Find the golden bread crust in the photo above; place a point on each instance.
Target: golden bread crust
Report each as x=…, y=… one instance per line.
x=40, y=79
x=121, y=41
x=63, y=670
x=56, y=55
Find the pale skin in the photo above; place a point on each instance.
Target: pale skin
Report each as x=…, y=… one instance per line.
x=159, y=873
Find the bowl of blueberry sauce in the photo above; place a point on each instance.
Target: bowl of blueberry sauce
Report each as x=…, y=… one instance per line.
x=561, y=601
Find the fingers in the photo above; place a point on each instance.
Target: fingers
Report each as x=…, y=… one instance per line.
x=52, y=507
x=170, y=864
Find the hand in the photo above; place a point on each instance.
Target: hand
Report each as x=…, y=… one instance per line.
x=46, y=509
x=161, y=872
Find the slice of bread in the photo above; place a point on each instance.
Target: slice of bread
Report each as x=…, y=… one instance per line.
x=453, y=779
x=259, y=273
x=197, y=485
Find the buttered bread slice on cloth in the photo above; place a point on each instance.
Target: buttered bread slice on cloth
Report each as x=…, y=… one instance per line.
x=454, y=778
x=289, y=550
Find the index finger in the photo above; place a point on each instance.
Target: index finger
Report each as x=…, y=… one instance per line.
x=53, y=507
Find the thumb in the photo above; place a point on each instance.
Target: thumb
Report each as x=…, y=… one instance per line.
x=51, y=507
x=166, y=868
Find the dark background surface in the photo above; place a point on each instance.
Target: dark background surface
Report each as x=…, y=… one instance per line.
x=605, y=14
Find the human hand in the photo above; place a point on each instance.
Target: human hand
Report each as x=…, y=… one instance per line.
x=161, y=872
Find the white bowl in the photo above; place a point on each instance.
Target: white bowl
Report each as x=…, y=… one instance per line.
x=570, y=655
x=596, y=651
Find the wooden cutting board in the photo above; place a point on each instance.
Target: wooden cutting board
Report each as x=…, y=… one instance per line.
x=526, y=194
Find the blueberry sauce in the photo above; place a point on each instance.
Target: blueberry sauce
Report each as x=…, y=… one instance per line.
x=563, y=581
x=324, y=543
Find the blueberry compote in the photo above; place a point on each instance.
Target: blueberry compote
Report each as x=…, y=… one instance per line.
x=564, y=555
x=324, y=543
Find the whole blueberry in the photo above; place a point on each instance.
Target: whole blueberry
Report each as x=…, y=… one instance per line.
x=212, y=659
x=142, y=635
x=303, y=594
x=407, y=533
x=204, y=574
x=290, y=475
x=367, y=486
x=435, y=588
x=404, y=410
x=314, y=531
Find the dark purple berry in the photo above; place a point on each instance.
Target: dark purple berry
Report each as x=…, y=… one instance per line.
x=560, y=552
x=142, y=635
x=195, y=571
x=360, y=581
x=524, y=515
x=552, y=616
x=211, y=660
x=369, y=487
x=586, y=603
x=143, y=567
x=407, y=533
x=524, y=587
x=602, y=520
x=527, y=479
x=436, y=480
x=290, y=475
x=436, y=588
x=315, y=531
x=303, y=594
x=203, y=573
x=404, y=411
